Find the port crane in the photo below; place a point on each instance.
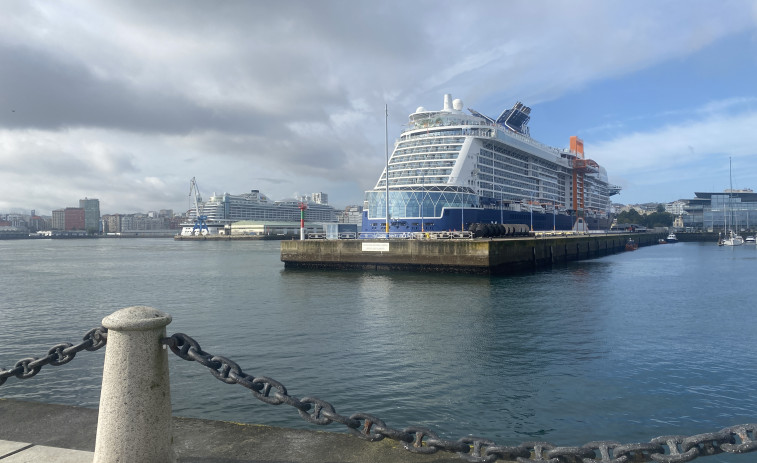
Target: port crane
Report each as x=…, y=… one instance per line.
x=201, y=226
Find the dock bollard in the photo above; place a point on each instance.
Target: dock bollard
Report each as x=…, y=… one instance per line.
x=134, y=422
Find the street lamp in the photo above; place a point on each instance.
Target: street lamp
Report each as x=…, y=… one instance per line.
x=386, y=148
x=554, y=212
x=531, y=208
x=423, y=195
x=474, y=177
x=501, y=200
x=462, y=211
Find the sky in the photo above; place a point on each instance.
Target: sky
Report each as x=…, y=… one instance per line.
x=128, y=101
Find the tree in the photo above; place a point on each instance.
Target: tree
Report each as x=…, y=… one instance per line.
x=631, y=216
x=659, y=218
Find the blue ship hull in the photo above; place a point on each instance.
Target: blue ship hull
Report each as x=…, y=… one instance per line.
x=453, y=220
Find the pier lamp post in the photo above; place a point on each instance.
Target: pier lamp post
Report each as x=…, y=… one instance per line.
x=386, y=148
x=554, y=213
x=474, y=179
x=423, y=193
x=531, y=208
x=501, y=200
x=462, y=211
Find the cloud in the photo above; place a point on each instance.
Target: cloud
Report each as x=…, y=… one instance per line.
x=688, y=156
x=126, y=101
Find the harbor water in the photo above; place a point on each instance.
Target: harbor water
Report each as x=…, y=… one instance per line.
x=626, y=347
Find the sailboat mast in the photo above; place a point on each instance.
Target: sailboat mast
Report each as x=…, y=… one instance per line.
x=386, y=148
x=730, y=188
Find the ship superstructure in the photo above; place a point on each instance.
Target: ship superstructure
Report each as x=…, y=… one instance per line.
x=227, y=208
x=450, y=169
x=216, y=214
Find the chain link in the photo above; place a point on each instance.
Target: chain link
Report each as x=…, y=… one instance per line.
x=59, y=354
x=735, y=439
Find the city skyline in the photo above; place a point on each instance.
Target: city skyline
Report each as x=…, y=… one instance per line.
x=128, y=102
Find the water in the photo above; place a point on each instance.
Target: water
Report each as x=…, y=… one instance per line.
x=627, y=347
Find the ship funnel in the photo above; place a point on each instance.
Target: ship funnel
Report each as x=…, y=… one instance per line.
x=447, y=102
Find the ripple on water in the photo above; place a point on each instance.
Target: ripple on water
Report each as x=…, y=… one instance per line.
x=626, y=347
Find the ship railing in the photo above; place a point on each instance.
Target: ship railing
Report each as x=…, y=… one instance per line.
x=435, y=235
x=443, y=235
x=480, y=130
x=384, y=235
x=551, y=233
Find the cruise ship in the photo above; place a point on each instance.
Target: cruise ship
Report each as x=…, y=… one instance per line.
x=257, y=206
x=221, y=210
x=450, y=170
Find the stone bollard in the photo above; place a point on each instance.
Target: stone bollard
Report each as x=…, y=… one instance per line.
x=134, y=422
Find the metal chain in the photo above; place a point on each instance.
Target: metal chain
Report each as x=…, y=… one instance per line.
x=57, y=355
x=735, y=439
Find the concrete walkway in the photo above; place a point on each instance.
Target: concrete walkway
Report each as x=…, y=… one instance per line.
x=34, y=432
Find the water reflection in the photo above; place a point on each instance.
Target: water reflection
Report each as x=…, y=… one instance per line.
x=625, y=347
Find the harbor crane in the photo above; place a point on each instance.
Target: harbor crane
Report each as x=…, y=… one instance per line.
x=201, y=226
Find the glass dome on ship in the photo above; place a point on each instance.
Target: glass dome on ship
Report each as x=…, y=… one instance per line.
x=450, y=169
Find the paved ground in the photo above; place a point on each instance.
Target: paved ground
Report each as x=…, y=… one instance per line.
x=34, y=432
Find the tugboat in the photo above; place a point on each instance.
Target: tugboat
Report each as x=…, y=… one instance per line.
x=631, y=245
x=671, y=238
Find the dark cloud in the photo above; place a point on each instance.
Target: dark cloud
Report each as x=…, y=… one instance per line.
x=50, y=93
x=129, y=100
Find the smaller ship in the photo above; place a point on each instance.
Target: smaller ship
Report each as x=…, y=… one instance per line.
x=749, y=240
x=631, y=245
x=671, y=238
x=733, y=239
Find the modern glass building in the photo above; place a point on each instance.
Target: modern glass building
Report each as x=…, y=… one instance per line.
x=736, y=210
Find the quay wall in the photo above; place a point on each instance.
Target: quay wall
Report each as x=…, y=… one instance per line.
x=238, y=237
x=699, y=237
x=482, y=256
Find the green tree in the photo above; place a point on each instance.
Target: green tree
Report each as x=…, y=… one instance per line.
x=659, y=218
x=631, y=216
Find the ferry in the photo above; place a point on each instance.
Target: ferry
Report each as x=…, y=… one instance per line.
x=451, y=170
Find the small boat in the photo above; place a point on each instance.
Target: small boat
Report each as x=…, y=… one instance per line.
x=631, y=245
x=671, y=238
x=661, y=241
x=749, y=240
x=733, y=240
x=730, y=238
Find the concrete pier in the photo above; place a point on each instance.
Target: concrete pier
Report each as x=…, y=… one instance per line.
x=478, y=256
x=34, y=432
